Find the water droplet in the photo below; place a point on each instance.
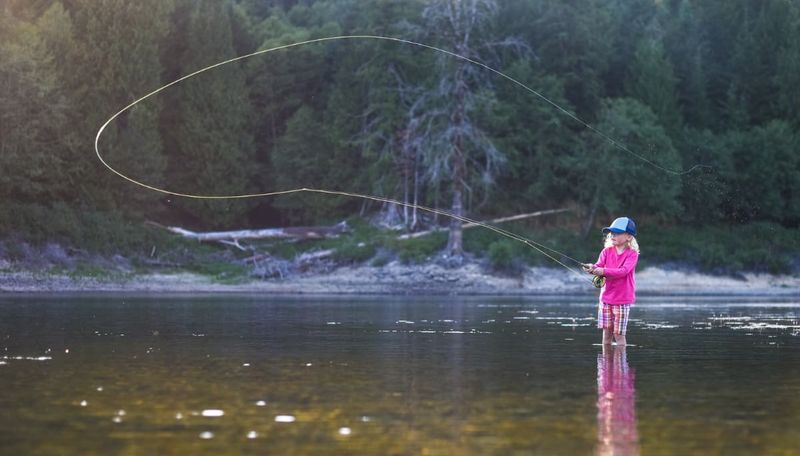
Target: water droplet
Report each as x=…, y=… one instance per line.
x=284, y=419
x=206, y=435
x=246, y=364
x=308, y=364
x=252, y=435
x=212, y=412
x=84, y=403
x=261, y=403
x=116, y=419
x=179, y=416
x=344, y=431
x=99, y=388
x=121, y=412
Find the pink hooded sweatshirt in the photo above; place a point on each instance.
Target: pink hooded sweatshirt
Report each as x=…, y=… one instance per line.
x=620, y=287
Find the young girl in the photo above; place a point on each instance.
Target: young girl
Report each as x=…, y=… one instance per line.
x=617, y=263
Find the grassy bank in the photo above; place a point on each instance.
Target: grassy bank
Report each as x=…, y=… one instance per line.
x=756, y=247
x=106, y=245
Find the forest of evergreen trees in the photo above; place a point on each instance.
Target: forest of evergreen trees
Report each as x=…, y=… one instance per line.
x=678, y=82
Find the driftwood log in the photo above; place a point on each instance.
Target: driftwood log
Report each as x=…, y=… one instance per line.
x=271, y=266
x=488, y=222
x=321, y=232
x=295, y=232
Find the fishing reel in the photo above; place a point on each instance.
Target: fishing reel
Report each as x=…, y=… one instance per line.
x=598, y=281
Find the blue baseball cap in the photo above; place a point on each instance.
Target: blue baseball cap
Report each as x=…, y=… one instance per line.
x=622, y=225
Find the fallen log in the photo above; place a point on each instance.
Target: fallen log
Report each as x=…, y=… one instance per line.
x=296, y=232
x=314, y=256
x=256, y=258
x=488, y=222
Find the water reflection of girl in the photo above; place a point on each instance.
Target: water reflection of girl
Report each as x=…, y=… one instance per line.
x=616, y=404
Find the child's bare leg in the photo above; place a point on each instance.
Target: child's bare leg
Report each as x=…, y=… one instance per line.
x=620, y=339
x=607, y=336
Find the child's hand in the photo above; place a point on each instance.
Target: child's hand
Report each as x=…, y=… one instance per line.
x=598, y=271
x=587, y=267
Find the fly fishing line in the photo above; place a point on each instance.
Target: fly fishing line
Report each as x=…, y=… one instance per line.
x=533, y=244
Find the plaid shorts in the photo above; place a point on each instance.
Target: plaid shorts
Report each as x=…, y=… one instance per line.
x=613, y=317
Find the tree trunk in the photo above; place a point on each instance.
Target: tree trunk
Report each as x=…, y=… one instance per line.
x=416, y=195
x=455, y=241
x=592, y=214
x=405, y=195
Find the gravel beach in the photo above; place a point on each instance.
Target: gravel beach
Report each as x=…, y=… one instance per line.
x=396, y=278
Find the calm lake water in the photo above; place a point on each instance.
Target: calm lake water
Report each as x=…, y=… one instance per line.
x=254, y=375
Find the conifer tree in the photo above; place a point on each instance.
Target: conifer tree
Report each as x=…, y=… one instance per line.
x=652, y=81
x=460, y=152
x=114, y=60
x=540, y=143
x=767, y=172
x=687, y=48
x=788, y=74
x=564, y=40
x=614, y=180
x=33, y=111
x=207, y=121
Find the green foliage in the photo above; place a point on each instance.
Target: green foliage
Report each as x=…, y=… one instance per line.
x=303, y=158
x=354, y=252
x=767, y=169
x=222, y=272
x=788, y=78
x=419, y=249
x=563, y=37
x=765, y=30
x=652, y=81
x=705, y=192
x=538, y=144
x=380, y=261
x=679, y=83
x=95, y=231
x=103, y=65
x=85, y=269
x=688, y=52
x=481, y=242
x=33, y=110
x=207, y=120
x=501, y=255
x=764, y=247
x=620, y=181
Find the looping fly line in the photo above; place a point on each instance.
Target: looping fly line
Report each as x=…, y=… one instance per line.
x=533, y=244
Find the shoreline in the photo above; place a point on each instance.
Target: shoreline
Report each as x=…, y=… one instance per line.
x=404, y=280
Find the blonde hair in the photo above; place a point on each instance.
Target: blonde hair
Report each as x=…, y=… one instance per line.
x=632, y=244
